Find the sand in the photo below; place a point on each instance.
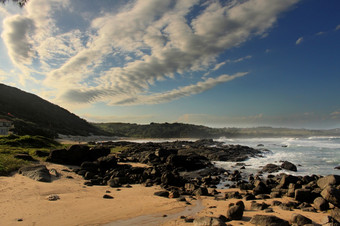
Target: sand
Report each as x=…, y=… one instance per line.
x=23, y=201
x=26, y=199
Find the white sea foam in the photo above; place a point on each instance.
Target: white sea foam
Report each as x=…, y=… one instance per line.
x=313, y=155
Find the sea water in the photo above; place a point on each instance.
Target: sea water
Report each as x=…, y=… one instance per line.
x=313, y=155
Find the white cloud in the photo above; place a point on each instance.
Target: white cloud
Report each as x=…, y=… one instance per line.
x=337, y=27
x=299, y=41
x=145, y=41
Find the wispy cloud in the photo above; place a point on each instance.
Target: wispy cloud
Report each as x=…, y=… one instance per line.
x=337, y=27
x=120, y=56
x=299, y=41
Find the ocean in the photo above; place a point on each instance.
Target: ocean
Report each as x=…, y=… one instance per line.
x=313, y=155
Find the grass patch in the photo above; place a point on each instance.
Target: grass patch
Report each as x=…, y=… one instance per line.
x=118, y=149
x=13, y=144
x=27, y=141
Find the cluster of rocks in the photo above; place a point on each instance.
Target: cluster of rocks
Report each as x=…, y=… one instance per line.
x=181, y=166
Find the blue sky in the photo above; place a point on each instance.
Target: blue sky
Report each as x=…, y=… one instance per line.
x=220, y=63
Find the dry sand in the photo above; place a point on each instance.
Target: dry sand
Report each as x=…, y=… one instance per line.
x=25, y=199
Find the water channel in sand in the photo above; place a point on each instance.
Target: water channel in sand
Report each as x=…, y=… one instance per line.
x=158, y=219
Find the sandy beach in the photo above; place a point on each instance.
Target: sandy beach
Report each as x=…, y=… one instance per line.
x=24, y=201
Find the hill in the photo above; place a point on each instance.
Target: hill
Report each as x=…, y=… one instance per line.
x=33, y=115
x=180, y=130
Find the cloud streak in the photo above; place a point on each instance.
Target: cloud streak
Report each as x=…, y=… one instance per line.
x=120, y=56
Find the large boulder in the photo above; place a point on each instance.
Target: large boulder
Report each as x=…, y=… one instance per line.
x=208, y=221
x=332, y=195
x=268, y=220
x=76, y=154
x=328, y=180
x=37, y=172
x=288, y=166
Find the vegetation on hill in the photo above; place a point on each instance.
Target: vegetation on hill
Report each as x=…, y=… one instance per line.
x=12, y=145
x=32, y=115
x=180, y=130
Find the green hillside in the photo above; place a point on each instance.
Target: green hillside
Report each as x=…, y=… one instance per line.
x=33, y=115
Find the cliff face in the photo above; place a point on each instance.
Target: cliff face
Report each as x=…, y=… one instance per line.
x=35, y=116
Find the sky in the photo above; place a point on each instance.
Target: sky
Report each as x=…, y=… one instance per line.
x=219, y=63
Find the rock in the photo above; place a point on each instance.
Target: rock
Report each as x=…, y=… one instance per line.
x=76, y=154
x=107, y=162
x=208, y=221
x=286, y=180
x=162, y=194
x=299, y=219
x=53, y=197
x=329, y=221
x=25, y=157
x=107, y=196
x=336, y=214
x=260, y=188
x=328, y=180
x=41, y=153
x=236, y=212
x=201, y=191
x=288, y=166
x=268, y=220
x=174, y=194
x=303, y=195
x=320, y=204
x=271, y=168
x=258, y=206
x=189, y=187
x=332, y=195
x=37, y=172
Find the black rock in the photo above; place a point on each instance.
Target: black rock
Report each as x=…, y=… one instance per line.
x=288, y=166
x=162, y=193
x=107, y=196
x=37, y=172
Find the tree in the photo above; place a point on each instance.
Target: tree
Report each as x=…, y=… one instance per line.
x=21, y=3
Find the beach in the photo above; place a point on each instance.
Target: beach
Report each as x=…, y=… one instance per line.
x=24, y=201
